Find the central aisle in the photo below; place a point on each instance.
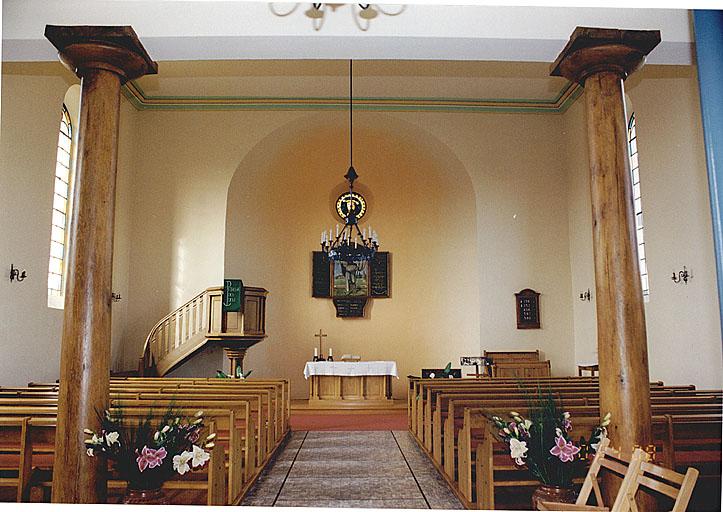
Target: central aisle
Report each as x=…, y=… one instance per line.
x=371, y=469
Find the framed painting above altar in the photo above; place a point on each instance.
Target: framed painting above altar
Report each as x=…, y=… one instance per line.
x=350, y=279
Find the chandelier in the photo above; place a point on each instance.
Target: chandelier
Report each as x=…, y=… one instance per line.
x=362, y=14
x=351, y=243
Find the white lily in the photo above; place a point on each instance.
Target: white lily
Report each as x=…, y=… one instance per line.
x=156, y=436
x=199, y=457
x=90, y=452
x=180, y=462
x=527, y=424
x=95, y=439
x=519, y=461
x=603, y=435
x=88, y=431
x=606, y=420
x=112, y=438
x=211, y=437
x=199, y=414
x=518, y=449
x=165, y=429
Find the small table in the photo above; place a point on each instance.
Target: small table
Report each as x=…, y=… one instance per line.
x=592, y=368
x=344, y=384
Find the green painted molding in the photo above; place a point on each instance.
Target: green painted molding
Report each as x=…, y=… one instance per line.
x=557, y=105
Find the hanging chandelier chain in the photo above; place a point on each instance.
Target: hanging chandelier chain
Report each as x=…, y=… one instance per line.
x=351, y=243
x=351, y=118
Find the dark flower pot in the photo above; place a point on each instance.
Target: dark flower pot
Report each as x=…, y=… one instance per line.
x=554, y=494
x=145, y=497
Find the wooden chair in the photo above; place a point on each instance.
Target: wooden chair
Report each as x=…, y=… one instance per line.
x=611, y=460
x=665, y=481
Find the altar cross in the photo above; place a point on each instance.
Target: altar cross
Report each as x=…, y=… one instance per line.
x=321, y=335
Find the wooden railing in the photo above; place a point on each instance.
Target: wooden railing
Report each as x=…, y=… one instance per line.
x=182, y=332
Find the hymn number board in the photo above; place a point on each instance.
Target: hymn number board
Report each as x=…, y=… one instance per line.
x=350, y=284
x=528, y=309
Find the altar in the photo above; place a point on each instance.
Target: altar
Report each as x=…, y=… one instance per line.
x=367, y=383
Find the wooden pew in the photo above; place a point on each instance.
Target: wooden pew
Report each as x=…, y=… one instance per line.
x=481, y=457
x=195, y=394
x=36, y=438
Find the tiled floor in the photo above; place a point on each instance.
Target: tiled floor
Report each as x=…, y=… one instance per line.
x=372, y=469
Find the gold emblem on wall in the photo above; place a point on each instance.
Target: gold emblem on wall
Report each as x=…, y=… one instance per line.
x=351, y=202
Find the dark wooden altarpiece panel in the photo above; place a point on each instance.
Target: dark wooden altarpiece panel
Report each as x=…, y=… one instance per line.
x=377, y=281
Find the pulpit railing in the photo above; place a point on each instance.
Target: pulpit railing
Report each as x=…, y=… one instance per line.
x=187, y=329
x=182, y=332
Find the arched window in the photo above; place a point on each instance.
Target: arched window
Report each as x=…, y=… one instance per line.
x=59, y=223
x=638, y=206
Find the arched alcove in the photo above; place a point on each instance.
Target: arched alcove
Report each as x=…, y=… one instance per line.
x=422, y=204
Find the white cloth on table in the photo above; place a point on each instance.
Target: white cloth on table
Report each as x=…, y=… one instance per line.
x=343, y=369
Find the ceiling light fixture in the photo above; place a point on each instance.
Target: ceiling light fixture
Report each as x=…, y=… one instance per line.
x=350, y=244
x=362, y=14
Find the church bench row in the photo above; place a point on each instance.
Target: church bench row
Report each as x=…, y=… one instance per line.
x=233, y=418
x=454, y=422
x=677, y=398
x=26, y=447
x=262, y=405
x=450, y=406
x=485, y=466
x=433, y=423
x=235, y=438
x=281, y=401
x=186, y=382
x=422, y=394
x=258, y=410
x=245, y=393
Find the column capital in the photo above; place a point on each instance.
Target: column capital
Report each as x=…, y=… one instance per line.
x=113, y=48
x=593, y=50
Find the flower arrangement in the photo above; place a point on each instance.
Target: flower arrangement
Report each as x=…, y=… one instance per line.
x=146, y=454
x=542, y=442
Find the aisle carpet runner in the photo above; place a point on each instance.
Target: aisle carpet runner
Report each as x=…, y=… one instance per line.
x=396, y=420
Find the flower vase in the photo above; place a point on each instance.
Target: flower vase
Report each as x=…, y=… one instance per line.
x=145, y=497
x=554, y=494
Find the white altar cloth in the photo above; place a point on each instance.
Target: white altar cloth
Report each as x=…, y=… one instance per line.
x=351, y=369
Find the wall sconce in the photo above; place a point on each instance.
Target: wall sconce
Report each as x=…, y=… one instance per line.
x=17, y=275
x=682, y=275
x=115, y=297
x=586, y=296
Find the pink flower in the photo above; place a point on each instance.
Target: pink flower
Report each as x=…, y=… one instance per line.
x=565, y=450
x=150, y=458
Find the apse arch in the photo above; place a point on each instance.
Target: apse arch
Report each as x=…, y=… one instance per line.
x=421, y=201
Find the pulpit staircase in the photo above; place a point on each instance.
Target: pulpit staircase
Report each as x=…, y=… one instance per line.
x=202, y=321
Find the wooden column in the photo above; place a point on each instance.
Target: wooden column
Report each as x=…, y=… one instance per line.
x=103, y=58
x=600, y=60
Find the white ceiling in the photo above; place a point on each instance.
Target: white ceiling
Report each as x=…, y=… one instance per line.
x=209, y=30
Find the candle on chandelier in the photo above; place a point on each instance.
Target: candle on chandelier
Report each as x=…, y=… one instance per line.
x=337, y=230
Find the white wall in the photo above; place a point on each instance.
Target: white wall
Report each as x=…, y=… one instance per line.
x=684, y=338
x=527, y=176
x=30, y=331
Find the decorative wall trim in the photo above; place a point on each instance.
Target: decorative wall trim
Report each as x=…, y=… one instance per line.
x=142, y=101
